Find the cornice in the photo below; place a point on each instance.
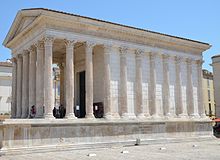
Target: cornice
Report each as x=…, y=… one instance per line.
x=50, y=20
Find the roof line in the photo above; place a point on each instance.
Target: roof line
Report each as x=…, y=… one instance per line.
x=116, y=24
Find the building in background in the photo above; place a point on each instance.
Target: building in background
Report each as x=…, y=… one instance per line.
x=216, y=78
x=5, y=87
x=208, y=93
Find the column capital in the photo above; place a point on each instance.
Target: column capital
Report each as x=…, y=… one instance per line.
x=166, y=56
x=31, y=49
x=25, y=52
x=139, y=53
x=48, y=41
x=108, y=48
x=90, y=44
x=199, y=61
x=123, y=50
x=69, y=43
x=39, y=45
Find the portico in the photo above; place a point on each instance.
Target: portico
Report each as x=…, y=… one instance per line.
x=142, y=78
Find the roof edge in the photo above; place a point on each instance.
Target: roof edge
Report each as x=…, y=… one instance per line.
x=71, y=14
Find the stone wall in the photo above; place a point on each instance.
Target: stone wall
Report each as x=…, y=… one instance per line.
x=34, y=135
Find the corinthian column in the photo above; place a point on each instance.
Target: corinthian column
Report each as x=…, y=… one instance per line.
x=182, y=112
x=201, y=107
x=32, y=78
x=138, y=88
x=69, y=85
x=25, y=90
x=40, y=80
x=153, y=106
x=48, y=80
x=89, y=80
x=14, y=86
x=107, y=79
x=189, y=89
x=123, y=83
x=166, y=85
x=19, y=87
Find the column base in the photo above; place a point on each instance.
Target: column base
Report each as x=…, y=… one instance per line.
x=70, y=116
x=90, y=116
x=128, y=116
x=156, y=117
x=110, y=116
x=49, y=116
x=194, y=115
x=203, y=116
x=183, y=115
x=141, y=116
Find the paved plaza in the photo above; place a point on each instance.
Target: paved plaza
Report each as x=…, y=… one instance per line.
x=199, y=150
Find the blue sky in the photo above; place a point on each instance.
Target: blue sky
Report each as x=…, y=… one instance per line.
x=193, y=19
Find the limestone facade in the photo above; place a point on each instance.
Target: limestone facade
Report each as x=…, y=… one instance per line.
x=135, y=73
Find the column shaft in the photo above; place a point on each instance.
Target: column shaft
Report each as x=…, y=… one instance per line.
x=166, y=89
x=25, y=90
x=69, y=79
x=32, y=78
x=19, y=87
x=89, y=80
x=107, y=79
x=123, y=83
x=40, y=80
x=14, y=88
x=48, y=80
x=138, y=88
x=190, y=104
x=153, y=106
x=182, y=112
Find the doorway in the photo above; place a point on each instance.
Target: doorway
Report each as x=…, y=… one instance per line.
x=82, y=94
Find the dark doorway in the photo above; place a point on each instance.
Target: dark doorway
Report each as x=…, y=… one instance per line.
x=82, y=94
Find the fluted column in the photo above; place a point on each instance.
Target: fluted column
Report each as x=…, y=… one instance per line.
x=25, y=90
x=19, y=87
x=32, y=78
x=179, y=101
x=14, y=87
x=153, y=106
x=123, y=83
x=201, y=107
x=138, y=86
x=48, y=80
x=89, y=80
x=40, y=80
x=69, y=81
x=189, y=90
x=107, y=79
x=166, y=89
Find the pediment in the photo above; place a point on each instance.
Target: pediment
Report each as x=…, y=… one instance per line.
x=25, y=22
x=22, y=20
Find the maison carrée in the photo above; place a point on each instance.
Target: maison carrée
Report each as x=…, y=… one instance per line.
x=118, y=84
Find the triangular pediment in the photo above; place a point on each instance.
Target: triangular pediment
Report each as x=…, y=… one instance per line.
x=25, y=22
x=22, y=20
